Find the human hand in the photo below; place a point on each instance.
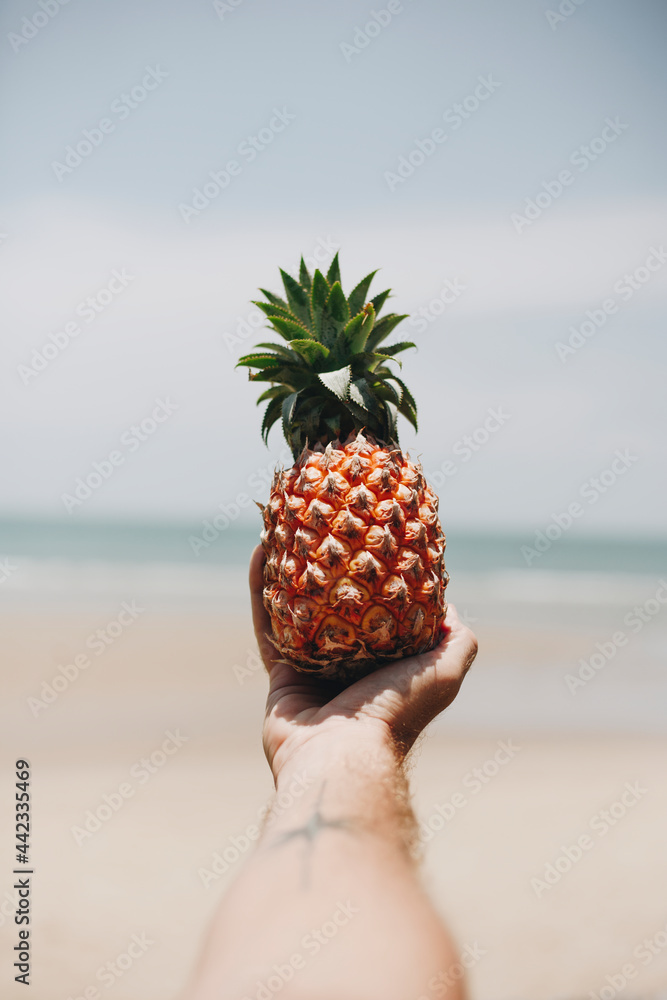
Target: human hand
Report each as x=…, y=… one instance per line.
x=389, y=707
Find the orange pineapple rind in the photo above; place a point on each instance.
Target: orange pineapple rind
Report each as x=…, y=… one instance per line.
x=351, y=586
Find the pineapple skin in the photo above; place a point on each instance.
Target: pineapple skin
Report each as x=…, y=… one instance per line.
x=354, y=575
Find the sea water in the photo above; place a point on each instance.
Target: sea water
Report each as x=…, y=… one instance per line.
x=576, y=640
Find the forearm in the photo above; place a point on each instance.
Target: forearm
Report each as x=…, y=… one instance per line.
x=330, y=905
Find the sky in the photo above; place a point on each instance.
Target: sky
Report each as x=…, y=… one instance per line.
x=504, y=165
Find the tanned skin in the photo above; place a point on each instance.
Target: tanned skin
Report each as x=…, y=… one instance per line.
x=330, y=905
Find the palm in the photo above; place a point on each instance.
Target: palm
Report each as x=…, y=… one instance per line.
x=402, y=697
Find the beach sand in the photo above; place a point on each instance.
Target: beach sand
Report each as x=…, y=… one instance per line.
x=140, y=872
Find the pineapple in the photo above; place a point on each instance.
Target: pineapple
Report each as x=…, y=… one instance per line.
x=354, y=573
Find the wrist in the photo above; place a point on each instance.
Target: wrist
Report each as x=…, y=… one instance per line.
x=357, y=746
x=352, y=781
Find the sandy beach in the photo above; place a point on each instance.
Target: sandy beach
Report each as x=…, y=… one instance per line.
x=238, y=239
x=170, y=712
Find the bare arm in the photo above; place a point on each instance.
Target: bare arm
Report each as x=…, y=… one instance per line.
x=330, y=906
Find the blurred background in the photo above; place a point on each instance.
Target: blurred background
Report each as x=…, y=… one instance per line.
x=504, y=165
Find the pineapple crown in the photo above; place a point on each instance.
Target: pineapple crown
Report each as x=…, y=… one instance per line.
x=331, y=378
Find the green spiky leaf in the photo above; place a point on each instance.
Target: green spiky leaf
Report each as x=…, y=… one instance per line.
x=336, y=304
x=318, y=298
x=405, y=392
x=280, y=349
x=271, y=414
x=362, y=395
x=407, y=406
x=357, y=299
x=380, y=300
x=333, y=274
x=333, y=316
x=337, y=382
x=259, y=360
x=382, y=329
x=304, y=276
x=311, y=351
x=392, y=413
x=297, y=297
x=332, y=377
x=289, y=375
x=287, y=412
x=409, y=412
x=360, y=341
x=273, y=392
x=383, y=390
x=290, y=329
x=346, y=337
x=275, y=300
x=271, y=310
x=369, y=361
x=404, y=345
x=361, y=416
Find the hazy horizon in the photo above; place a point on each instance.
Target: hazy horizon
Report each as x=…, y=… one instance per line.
x=175, y=295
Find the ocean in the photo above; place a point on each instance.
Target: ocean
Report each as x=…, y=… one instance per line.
x=73, y=560
x=575, y=641
x=137, y=542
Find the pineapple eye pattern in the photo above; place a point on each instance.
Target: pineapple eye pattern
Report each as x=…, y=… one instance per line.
x=354, y=573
